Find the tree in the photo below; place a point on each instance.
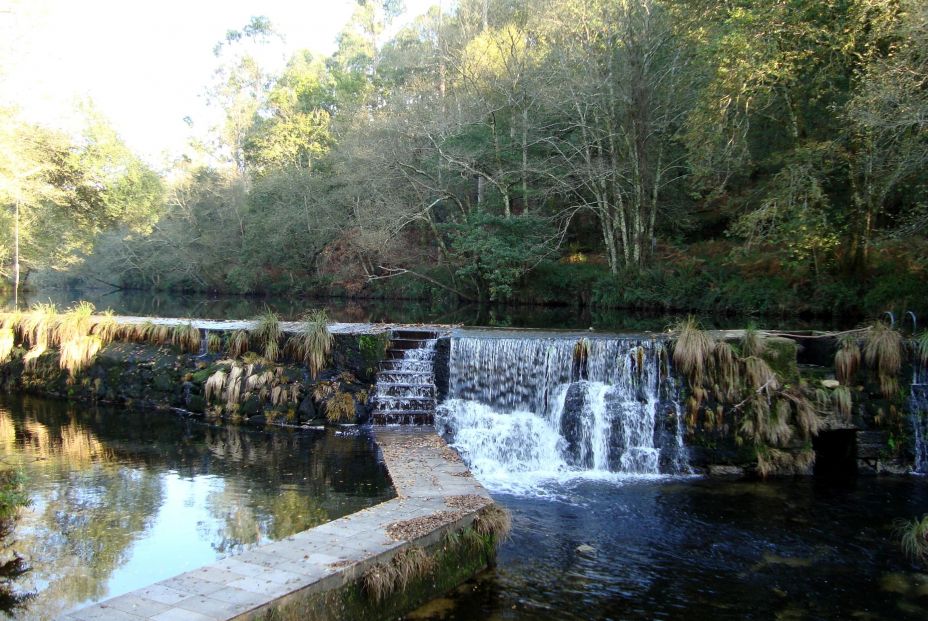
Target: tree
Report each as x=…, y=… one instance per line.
x=61, y=194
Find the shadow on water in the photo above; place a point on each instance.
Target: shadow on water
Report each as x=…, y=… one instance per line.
x=120, y=499
x=204, y=306
x=703, y=549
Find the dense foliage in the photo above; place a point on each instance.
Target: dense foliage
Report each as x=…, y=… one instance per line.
x=752, y=156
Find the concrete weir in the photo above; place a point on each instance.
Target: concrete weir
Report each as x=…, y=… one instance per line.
x=377, y=563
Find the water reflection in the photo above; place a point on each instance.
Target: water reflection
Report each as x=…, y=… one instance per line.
x=120, y=499
x=206, y=306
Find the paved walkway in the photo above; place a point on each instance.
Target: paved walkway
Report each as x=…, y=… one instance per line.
x=434, y=490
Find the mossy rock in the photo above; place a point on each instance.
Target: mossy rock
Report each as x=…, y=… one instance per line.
x=197, y=404
x=164, y=382
x=250, y=407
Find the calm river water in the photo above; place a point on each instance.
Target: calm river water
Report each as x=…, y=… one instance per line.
x=121, y=499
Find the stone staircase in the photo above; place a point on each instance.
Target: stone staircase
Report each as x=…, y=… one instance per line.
x=405, y=391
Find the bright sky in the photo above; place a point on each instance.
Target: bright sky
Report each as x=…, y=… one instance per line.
x=144, y=63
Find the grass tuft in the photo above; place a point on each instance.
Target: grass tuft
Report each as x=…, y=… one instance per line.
x=914, y=538
x=266, y=334
x=340, y=408
x=383, y=579
x=494, y=521
x=847, y=359
x=692, y=347
x=883, y=353
x=186, y=338
x=105, y=327
x=843, y=402
x=314, y=342
x=238, y=343
x=752, y=343
x=213, y=343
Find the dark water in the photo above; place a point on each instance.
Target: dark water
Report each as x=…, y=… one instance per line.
x=704, y=549
x=120, y=499
x=204, y=306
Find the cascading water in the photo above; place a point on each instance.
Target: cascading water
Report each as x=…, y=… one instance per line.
x=918, y=408
x=523, y=410
x=405, y=389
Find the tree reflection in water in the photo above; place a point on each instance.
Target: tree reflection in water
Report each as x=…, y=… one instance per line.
x=118, y=496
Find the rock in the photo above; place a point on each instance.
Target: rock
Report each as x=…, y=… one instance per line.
x=307, y=409
x=722, y=470
x=830, y=384
x=257, y=421
x=586, y=550
x=250, y=407
x=196, y=404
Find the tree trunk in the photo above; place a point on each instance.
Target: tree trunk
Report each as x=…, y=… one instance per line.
x=16, y=257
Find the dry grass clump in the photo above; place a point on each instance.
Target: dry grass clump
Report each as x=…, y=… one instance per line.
x=340, y=408
x=847, y=359
x=759, y=376
x=774, y=461
x=186, y=338
x=35, y=326
x=914, y=538
x=266, y=334
x=883, y=353
x=105, y=327
x=726, y=371
x=238, y=343
x=495, y=522
x=752, y=343
x=692, y=347
x=213, y=343
x=7, y=342
x=842, y=402
x=384, y=579
x=313, y=343
x=580, y=358
x=162, y=334
x=214, y=386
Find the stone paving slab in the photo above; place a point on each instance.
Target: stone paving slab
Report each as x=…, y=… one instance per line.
x=425, y=473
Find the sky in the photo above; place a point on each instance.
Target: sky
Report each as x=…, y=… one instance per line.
x=145, y=64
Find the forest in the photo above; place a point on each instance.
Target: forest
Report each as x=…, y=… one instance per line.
x=744, y=156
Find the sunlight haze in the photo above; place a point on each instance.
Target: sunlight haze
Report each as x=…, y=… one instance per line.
x=144, y=64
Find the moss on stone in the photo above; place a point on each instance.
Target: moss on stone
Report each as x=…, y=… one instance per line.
x=455, y=559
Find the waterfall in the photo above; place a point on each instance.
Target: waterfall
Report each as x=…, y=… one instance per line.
x=918, y=412
x=528, y=409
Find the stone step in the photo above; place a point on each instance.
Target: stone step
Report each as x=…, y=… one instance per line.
x=409, y=417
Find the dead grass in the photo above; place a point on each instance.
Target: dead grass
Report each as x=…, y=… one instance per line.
x=847, y=359
x=691, y=350
x=7, y=342
x=238, y=343
x=340, y=408
x=186, y=338
x=843, y=402
x=494, y=521
x=407, y=565
x=213, y=343
x=726, y=371
x=752, y=343
x=883, y=354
